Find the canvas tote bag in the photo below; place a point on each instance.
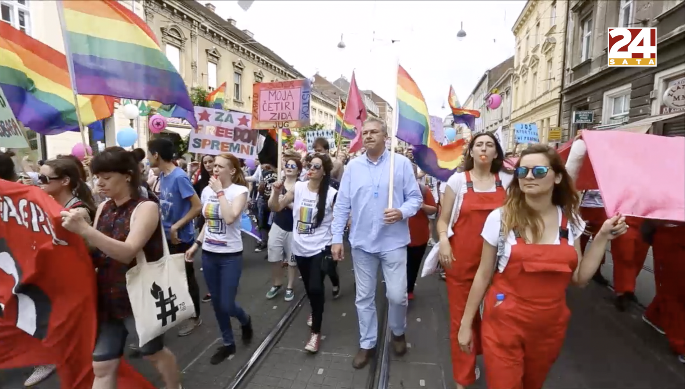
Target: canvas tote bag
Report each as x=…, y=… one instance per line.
x=158, y=292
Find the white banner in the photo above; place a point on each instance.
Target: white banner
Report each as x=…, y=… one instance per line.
x=329, y=135
x=221, y=132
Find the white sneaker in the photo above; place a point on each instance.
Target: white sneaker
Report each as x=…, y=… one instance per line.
x=309, y=320
x=40, y=373
x=477, y=373
x=313, y=343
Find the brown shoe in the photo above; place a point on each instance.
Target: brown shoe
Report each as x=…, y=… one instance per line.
x=363, y=357
x=399, y=345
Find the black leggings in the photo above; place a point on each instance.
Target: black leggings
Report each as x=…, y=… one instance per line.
x=414, y=258
x=193, y=287
x=313, y=271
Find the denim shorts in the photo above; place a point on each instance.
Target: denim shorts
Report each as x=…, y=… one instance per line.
x=111, y=340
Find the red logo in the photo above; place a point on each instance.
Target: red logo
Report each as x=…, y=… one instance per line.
x=632, y=47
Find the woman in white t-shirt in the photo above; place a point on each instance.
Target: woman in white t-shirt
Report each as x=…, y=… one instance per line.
x=311, y=240
x=533, y=241
x=470, y=195
x=223, y=202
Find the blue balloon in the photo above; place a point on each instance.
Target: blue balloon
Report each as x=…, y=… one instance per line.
x=127, y=137
x=451, y=134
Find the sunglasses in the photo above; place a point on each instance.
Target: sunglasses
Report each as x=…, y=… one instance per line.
x=45, y=179
x=538, y=171
x=314, y=166
x=291, y=166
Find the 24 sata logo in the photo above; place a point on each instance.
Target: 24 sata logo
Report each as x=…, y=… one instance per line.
x=632, y=47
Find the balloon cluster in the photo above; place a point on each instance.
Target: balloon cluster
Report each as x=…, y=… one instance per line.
x=299, y=145
x=80, y=151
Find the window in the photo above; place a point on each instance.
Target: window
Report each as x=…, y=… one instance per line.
x=211, y=75
x=16, y=13
x=525, y=49
x=616, y=105
x=549, y=75
x=625, y=15
x=518, y=55
x=523, y=93
x=237, y=87
x=586, y=39
x=537, y=33
x=173, y=54
x=534, y=86
x=553, y=14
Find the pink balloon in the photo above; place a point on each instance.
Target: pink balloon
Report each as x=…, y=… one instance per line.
x=79, y=151
x=157, y=124
x=299, y=145
x=494, y=101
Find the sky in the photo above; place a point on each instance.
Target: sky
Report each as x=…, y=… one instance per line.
x=306, y=35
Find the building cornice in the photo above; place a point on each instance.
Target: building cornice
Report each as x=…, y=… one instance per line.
x=523, y=16
x=181, y=14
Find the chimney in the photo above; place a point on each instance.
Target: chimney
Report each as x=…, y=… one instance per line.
x=210, y=7
x=231, y=21
x=249, y=33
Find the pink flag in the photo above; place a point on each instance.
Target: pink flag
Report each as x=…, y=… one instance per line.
x=639, y=175
x=355, y=114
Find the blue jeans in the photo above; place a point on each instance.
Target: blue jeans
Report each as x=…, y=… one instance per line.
x=222, y=274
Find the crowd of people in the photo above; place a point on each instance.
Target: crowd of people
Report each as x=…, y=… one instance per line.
x=510, y=241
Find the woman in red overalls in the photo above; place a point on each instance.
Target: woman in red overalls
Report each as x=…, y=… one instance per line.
x=472, y=194
x=628, y=253
x=538, y=255
x=666, y=313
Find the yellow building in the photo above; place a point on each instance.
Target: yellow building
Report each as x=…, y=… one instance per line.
x=538, y=65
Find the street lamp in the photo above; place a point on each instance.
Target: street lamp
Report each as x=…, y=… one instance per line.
x=461, y=34
x=341, y=44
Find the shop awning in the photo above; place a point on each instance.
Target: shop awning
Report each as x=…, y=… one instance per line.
x=643, y=126
x=181, y=131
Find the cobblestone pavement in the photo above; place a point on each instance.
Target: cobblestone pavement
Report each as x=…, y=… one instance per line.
x=604, y=349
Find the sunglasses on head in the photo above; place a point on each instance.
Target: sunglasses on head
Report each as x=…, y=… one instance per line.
x=538, y=171
x=46, y=179
x=314, y=166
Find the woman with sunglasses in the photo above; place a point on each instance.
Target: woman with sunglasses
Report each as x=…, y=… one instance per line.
x=532, y=247
x=470, y=194
x=280, y=235
x=311, y=245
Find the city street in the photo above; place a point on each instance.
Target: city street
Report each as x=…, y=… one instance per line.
x=603, y=349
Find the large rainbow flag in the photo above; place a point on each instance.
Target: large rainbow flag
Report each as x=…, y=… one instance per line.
x=346, y=130
x=413, y=126
x=35, y=79
x=115, y=53
x=217, y=97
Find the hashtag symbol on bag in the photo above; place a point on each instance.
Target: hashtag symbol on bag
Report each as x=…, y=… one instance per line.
x=167, y=307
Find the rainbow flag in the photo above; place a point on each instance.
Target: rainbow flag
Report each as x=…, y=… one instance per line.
x=35, y=79
x=217, y=97
x=340, y=125
x=115, y=53
x=413, y=126
x=452, y=99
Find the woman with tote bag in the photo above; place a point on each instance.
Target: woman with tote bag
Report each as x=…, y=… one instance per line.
x=118, y=237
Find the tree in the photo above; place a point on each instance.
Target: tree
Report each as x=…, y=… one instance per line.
x=312, y=127
x=198, y=96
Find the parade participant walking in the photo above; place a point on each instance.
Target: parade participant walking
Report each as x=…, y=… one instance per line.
x=470, y=195
x=592, y=212
x=202, y=181
x=118, y=236
x=533, y=242
x=321, y=146
x=313, y=211
x=378, y=235
x=223, y=203
x=280, y=235
x=179, y=205
x=419, y=232
x=666, y=313
x=628, y=253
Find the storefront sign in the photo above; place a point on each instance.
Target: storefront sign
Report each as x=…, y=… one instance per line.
x=11, y=133
x=554, y=134
x=220, y=132
x=586, y=117
x=674, y=97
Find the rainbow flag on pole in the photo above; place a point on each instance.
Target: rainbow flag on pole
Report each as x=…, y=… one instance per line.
x=217, y=97
x=113, y=52
x=413, y=126
x=35, y=79
x=340, y=125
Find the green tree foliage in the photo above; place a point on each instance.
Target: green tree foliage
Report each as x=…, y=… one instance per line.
x=199, y=97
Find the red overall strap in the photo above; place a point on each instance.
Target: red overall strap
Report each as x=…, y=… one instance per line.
x=563, y=231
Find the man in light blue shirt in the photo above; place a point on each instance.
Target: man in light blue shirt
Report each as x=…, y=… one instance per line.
x=378, y=235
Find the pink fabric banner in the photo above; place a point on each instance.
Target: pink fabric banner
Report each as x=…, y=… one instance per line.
x=639, y=175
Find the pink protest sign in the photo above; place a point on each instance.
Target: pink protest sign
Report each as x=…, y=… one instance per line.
x=283, y=104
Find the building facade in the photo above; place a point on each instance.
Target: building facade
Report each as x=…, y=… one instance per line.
x=206, y=49
x=618, y=97
x=538, y=63
x=323, y=109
